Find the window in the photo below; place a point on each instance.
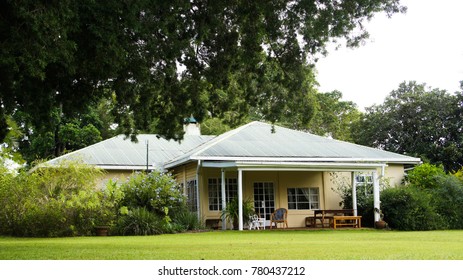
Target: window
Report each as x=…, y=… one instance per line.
x=364, y=183
x=303, y=198
x=192, y=195
x=215, y=192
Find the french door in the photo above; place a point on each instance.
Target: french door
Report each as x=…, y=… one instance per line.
x=264, y=199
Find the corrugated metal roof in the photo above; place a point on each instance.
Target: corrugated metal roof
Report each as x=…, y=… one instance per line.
x=120, y=152
x=252, y=142
x=256, y=141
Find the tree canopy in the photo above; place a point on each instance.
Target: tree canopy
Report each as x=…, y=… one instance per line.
x=418, y=121
x=334, y=117
x=167, y=60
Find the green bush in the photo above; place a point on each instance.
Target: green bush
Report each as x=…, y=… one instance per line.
x=425, y=176
x=54, y=201
x=45, y=220
x=448, y=200
x=409, y=208
x=156, y=192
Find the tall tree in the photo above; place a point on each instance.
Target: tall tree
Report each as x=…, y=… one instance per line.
x=419, y=121
x=62, y=134
x=334, y=117
x=166, y=60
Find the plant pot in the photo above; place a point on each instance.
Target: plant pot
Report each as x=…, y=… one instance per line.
x=102, y=230
x=380, y=224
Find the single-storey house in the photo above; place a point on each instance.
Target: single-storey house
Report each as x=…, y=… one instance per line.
x=276, y=167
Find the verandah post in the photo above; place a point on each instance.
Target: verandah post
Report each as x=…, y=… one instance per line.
x=376, y=201
x=240, y=199
x=354, y=194
x=224, y=200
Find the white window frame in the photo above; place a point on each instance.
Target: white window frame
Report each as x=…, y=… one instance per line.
x=214, y=190
x=313, y=200
x=364, y=182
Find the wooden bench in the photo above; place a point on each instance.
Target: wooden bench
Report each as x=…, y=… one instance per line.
x=327, y=216
x=347, y=221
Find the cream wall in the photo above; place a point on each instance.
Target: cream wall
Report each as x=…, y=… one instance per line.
x=332, y=184
x=281, y=180
x=394, y=174
x=114, y=175
x=184, y=173
x=299, y=179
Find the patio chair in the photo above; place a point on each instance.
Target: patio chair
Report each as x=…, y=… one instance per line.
x=279, y=216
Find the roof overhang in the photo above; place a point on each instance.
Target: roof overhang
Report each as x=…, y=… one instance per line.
x=293, y=166
x=299, y=162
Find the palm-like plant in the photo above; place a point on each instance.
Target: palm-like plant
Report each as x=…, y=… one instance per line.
x=231, y=211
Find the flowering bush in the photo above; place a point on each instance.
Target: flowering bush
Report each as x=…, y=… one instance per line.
x=156, y=192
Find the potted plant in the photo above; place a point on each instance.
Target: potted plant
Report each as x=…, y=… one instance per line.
x=104, y=217
x=381, y=224
x=231, y=211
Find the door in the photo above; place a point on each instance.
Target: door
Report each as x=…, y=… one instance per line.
x=264, y=199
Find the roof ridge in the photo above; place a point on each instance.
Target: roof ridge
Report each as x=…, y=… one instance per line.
x=224, y=137
x=211, y=143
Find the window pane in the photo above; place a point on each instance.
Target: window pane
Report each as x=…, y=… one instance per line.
x=302, y=198
x=303, y=206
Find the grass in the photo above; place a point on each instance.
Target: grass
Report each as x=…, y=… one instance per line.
x=363, y=244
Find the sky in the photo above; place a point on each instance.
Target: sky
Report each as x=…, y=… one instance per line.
x=424, y=45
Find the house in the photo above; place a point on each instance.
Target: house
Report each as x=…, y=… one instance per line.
x=271, y=165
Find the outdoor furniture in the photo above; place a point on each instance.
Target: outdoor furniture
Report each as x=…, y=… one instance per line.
x=350, y=221
x=279, y=216
x=326, y=216
x=255, y=222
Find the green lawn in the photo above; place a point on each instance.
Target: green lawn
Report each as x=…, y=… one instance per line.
x=362, y=244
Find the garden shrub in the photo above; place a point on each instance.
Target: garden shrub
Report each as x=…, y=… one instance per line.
x=459, y=174
x=409, y=208
x=425, y=176
x=63, y=200
x=448, y=200
x=156, y=192
x=53, y=201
